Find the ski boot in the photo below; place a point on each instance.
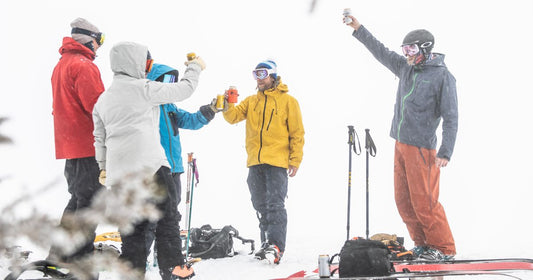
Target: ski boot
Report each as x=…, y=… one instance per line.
x=260, y=254
x=417, y=251
x=273, y=254
x=432, y=254
x=184, y=271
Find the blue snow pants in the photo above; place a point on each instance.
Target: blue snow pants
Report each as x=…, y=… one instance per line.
x=268, y=189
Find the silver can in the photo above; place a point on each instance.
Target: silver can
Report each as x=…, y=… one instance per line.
x=323, y=266
x=347, y=12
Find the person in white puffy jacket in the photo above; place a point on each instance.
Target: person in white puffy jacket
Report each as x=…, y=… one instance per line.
x=128, y=149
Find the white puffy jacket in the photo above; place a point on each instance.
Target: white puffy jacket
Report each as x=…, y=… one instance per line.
x=126, y=116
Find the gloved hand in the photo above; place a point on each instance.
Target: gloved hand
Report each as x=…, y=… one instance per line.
x=213, y=105
x=198, y=60
x=102, y=177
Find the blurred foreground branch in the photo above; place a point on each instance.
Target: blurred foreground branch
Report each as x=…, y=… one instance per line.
x=123, y=205
x=4, y=139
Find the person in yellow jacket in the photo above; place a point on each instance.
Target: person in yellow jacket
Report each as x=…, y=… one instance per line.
x=274, y=143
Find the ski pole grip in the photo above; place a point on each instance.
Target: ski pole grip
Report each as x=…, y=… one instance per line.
x=369, y=143
x=350, y=134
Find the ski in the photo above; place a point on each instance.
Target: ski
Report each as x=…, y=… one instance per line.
x=465, y=265
x=50, y=270
x=416, y=275
x=419, y=269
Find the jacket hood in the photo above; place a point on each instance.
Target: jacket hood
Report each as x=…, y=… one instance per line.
x=158, y=70
x=280, y=88
x=129, y=58
x=72, y=46
x=437, y=60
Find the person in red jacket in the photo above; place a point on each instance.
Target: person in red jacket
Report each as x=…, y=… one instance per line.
x=76, y=86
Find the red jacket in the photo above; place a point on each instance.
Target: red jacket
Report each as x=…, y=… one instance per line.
x=76, y=86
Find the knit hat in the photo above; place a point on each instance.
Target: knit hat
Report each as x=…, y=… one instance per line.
x=82, y=23
x=269, y=64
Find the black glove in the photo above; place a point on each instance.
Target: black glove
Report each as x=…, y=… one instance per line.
x=208, y=112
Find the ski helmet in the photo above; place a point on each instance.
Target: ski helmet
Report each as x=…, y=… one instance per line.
x=423, y=38
x=269, y=64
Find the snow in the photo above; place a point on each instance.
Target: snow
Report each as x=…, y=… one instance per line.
x=486, y=189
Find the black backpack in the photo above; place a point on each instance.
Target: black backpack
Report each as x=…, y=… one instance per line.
x=209, y=243
x=362, y=257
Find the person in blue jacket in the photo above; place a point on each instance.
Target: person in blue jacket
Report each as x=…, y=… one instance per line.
x=173, y=118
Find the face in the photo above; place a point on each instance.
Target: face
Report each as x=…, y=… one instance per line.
x=266, y=83
x=411, y=59
x=95, y=45
x=411, y=52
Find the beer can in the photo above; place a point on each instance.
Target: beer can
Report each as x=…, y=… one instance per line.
x=347, y=12
x=191, y=56
x=220, y=102
x=323, y=266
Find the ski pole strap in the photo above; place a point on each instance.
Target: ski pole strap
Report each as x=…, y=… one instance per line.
x=352, y=136
x=369, y=143
x=195, y=168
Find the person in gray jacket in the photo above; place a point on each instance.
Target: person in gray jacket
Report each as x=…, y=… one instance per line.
x=426, y=95
x=128, y=150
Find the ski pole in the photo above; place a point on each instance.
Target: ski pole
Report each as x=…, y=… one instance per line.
x=188, y=190
x=351, y=145
x=194, y=175
x=370, y=150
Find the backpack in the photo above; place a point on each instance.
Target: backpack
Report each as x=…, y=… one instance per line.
x=209, y=243
x=362, y=257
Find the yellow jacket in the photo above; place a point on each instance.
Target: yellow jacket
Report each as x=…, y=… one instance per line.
x=274, y=127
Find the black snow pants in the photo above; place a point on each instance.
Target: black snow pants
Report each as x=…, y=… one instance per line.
x=82, y=179
x=268, y=189
x=167, y=232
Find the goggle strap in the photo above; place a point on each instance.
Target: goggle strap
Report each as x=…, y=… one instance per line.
x=95, y=35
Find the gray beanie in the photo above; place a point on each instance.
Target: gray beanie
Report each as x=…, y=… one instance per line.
x=83, y=24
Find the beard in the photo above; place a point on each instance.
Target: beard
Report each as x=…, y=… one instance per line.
x=416, y=60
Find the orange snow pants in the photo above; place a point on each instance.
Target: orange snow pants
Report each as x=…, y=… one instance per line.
x=416, y=191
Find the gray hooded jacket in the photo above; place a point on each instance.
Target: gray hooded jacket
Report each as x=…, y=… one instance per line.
x=126, y=116
x=425, y=95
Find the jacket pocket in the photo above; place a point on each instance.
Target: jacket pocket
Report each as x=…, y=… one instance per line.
x=270, y=120
x=174, y=122
x=422, y=155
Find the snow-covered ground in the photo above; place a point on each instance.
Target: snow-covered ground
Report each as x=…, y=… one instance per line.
x=486, y=189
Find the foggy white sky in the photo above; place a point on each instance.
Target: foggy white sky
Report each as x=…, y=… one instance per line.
x=487, y=186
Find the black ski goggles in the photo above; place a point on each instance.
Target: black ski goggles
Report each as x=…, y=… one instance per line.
x=98, y=36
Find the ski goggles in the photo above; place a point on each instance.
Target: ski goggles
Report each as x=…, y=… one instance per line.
x=149, y=64
x=410, y=50
x=262, y=73
x=414, y=49
x=98, y=36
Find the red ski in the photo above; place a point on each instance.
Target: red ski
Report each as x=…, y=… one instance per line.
x=420, y=269
x=465, y=265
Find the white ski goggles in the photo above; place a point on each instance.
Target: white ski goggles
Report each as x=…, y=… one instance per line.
x=414, y=49
x=262, y=73
x=410, y=50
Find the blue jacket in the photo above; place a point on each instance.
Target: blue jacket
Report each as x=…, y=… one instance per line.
x=172, y=118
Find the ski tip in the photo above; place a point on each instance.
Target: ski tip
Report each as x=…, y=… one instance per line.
x=193, y=260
